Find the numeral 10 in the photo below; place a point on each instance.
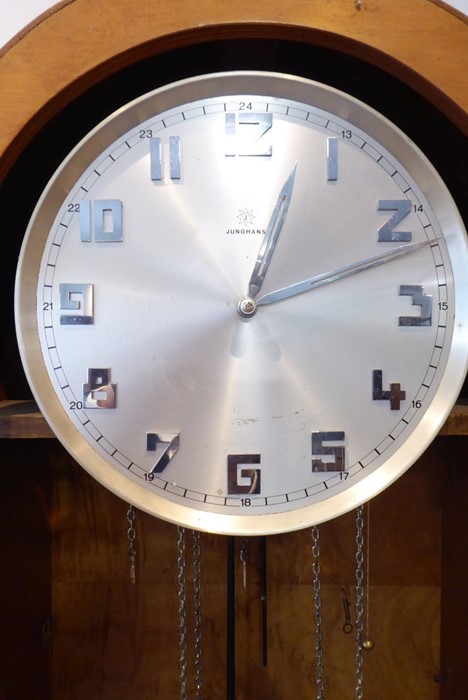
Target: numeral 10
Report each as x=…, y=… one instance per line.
x=101, y=220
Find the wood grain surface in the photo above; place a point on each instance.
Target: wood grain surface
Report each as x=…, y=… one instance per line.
x=422, y=42
x=110, y=635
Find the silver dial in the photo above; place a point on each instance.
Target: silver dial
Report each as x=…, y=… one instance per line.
x=242, y=304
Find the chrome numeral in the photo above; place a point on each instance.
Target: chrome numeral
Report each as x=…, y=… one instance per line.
x=243, y=477
x=165, y=445
x=103, y=218
x=174, y=157
x=77, y=299
x=156, y=169
x=395, y=394
x=416, y=292
x=328, y=451
x=245, y=131
x=98, y=391
x=387, y=233
x=332, y=158
x=156, y=159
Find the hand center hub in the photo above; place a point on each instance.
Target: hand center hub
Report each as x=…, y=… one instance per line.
x=247, y=307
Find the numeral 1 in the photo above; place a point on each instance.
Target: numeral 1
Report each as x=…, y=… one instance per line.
x=243, y=477
x=332, y=158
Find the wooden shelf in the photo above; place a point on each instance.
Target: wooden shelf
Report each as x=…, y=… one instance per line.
x=22, y=419
x=457, y=422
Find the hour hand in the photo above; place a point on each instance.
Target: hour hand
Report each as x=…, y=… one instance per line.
x=275, y=225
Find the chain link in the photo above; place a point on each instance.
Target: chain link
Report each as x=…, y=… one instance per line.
x=317, y=612
x=359, y=600
x=131, y=535
x=197, y=615
x=182, y=612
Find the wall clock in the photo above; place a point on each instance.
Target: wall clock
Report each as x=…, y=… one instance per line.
x=242, y=302
x=104, y=45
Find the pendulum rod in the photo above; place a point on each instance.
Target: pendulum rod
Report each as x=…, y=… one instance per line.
x=230, y=622
x=244, y=557
x=262, y=557
x=317, y=613
x=359, y=601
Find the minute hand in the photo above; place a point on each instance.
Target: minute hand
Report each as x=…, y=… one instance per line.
x=341, y=273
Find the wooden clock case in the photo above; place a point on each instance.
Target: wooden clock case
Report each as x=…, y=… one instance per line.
x=73, y=626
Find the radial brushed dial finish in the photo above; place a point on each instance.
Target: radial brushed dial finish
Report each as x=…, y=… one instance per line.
x=242, y=303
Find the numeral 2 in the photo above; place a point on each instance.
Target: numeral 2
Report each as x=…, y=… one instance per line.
x=402, y=208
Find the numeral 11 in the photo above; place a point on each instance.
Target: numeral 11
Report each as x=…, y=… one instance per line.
x=156, y=159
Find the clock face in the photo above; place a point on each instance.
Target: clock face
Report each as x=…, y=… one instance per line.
x=242, y=303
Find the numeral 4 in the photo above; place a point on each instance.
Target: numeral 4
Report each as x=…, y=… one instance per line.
x=395, y=394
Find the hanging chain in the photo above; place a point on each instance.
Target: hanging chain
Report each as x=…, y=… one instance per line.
x=131, y=534
x=182, y=613
x=317, y=613
x=359, y=600
x=368, y=641
x=197, y=615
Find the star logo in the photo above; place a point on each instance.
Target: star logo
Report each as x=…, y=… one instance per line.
x=246, y=217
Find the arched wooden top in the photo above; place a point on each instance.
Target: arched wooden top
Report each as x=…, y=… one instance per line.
x=78, y=42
